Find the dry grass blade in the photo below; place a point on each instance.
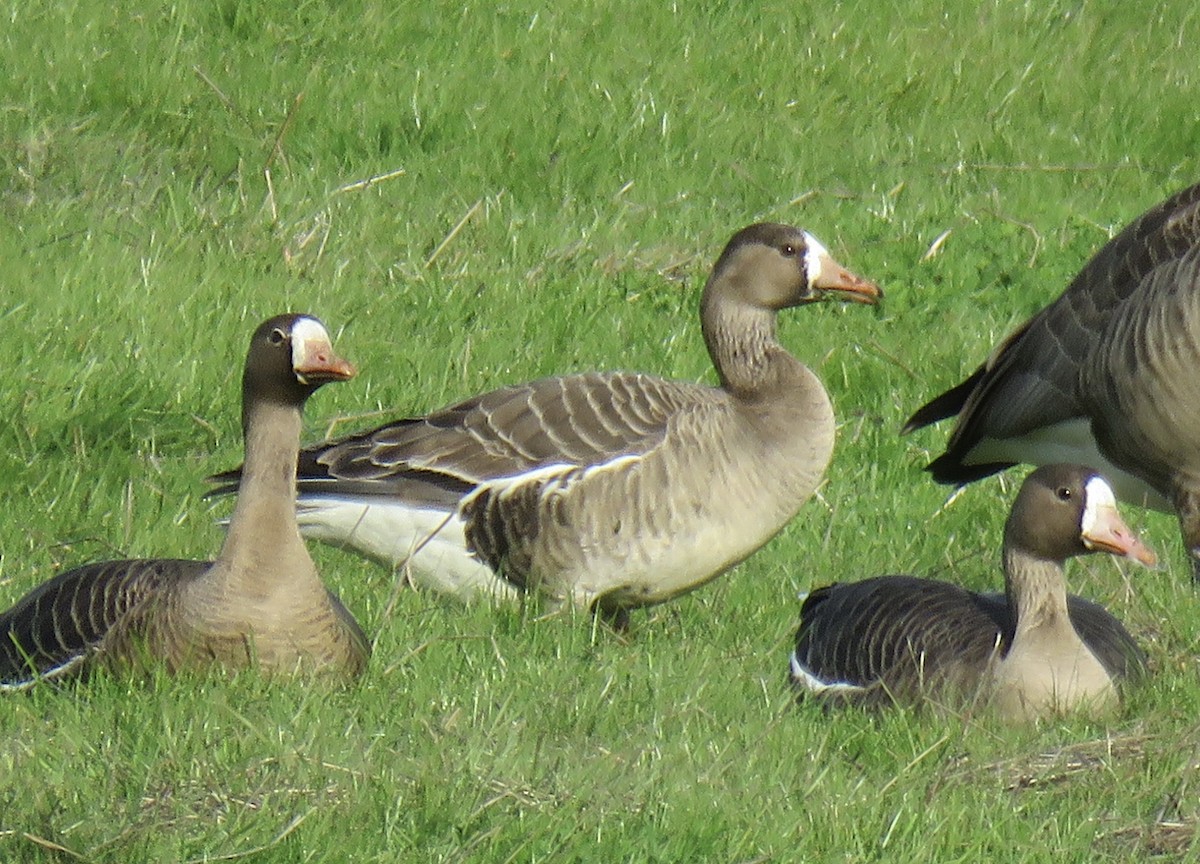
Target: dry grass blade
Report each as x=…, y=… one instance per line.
x=225, y=100
x=449, y=238
x=891, y=357
x=368, y=182
x=1060, y=765
x=51, y=846
x=936, y=246
x=1038, y=241
x=1161, y=838
x=914, y=762
x=277, y=144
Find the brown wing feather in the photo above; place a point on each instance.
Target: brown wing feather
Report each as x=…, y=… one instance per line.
x=898, y=634
x=575, y=420
x=65, y=619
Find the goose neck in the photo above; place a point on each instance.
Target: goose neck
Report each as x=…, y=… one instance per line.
x=741, y=340
x=264, y=521
x=1037, y=593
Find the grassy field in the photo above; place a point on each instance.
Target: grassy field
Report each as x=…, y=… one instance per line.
x=471, y=195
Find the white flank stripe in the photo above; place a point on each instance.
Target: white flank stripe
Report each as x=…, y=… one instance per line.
x=813, y=684
x=48, y=675
x=514, y=481
x=556, y=478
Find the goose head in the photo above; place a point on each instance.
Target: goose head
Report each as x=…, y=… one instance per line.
x=290, y=357
x=771, y=267
x=1067, y=510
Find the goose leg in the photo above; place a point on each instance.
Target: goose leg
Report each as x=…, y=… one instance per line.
x=1187, y=507
x=617, y=617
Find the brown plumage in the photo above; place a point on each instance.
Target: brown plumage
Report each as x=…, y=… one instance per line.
x=1033, y=650
x=613, y=490
x=261, y=601
x=1104, y=376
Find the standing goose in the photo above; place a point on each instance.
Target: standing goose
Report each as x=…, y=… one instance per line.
x=603, y=491
x=261, y=601
x=1033, y=650
x=1106, y=375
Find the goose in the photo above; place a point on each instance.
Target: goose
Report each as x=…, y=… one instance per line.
x=602, y=491
x=261, y=601
x=1033, y=650
x=1104, y=376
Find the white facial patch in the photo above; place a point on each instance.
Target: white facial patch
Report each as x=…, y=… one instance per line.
x=305, y=331
x=813, y=254
x=1099, y=497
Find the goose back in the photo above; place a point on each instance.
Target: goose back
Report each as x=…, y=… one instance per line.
x=895, y=638
x=60, y=623
x=652, y=526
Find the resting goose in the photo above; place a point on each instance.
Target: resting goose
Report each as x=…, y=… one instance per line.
x=603, y=490
x=1033, y=650
x=1104, y=376
x=261, y=601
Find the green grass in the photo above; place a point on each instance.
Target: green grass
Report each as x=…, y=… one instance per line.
x=554, y=185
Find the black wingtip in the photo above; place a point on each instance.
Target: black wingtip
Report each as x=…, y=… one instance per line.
x=948, y=404
x=949, y=471
x=223, y=483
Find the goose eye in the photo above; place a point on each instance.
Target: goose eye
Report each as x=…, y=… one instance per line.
x=1063, y=493
x=277, y=337
x=788, y=249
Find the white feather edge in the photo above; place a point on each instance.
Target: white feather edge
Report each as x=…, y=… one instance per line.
x=810, y=682
x=48, y=675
